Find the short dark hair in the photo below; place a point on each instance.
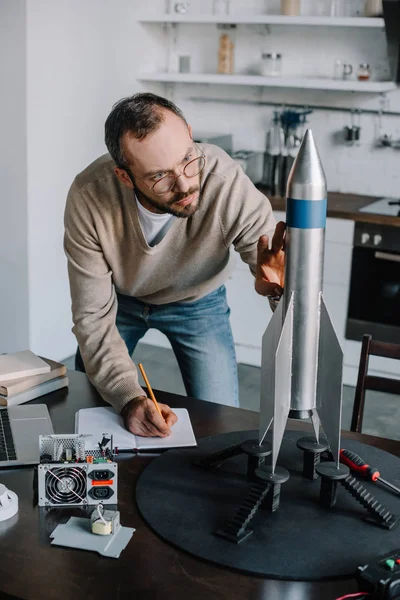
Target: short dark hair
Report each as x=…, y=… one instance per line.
x=140, y=115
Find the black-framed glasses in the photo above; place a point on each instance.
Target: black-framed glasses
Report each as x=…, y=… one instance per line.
x=191, y=169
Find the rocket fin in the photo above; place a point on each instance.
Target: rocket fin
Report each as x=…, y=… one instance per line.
x=283, y=383
x=270, y=341
x=315, y=423
x=329, y=382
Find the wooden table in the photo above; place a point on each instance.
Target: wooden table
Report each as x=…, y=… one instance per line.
x=148, y=569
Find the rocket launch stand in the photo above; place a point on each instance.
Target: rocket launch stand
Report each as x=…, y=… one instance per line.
x=204, y=503
x=312, y=451
x=332, y=474
x=378, y=514
x=256, y=455
x=264, y=493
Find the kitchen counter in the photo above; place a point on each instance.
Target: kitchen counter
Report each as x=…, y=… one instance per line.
x=342, y=206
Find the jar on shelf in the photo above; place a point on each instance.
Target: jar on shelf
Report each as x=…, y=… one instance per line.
x=271, y=64
x=226, y=51
x=363, y=72
x=181, y=7
x=220, y=7
x=290, y=7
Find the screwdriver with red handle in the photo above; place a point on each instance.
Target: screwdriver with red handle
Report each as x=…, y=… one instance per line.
x=356, y=463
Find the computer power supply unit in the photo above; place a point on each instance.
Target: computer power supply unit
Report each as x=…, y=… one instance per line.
x=75, y=470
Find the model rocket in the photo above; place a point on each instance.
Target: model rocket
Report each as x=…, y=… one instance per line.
x=302, y=361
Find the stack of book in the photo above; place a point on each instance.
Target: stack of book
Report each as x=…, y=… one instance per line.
x=25, y=376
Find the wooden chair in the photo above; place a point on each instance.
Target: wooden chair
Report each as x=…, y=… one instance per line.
x=371, y=382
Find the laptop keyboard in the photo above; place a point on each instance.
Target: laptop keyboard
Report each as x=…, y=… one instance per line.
x=7, y=449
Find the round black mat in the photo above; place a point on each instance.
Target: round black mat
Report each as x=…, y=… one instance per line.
x=185, y=505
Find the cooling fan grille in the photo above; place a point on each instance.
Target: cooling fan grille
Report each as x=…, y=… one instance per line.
x=66, y=485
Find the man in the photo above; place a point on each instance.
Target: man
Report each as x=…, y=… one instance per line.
x=148, y=230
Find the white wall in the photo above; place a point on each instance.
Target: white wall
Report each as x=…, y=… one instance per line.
x=82, y=57
x=14, y=327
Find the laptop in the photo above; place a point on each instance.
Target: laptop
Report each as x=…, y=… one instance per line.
x=20, y=427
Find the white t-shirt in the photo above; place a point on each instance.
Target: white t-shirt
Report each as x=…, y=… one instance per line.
x=154, y=225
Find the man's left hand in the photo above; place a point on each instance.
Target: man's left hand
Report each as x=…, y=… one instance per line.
x=270, y=272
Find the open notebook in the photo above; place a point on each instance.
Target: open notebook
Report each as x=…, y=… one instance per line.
x=107, y=420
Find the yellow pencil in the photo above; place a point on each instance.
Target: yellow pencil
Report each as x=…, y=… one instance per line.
x=152, y=396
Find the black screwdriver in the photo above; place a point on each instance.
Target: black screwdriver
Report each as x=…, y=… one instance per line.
x=357, y=464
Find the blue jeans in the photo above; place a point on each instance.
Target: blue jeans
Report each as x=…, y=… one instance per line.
x=201, y=338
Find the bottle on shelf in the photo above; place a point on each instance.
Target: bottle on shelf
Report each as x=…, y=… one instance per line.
x=290, y=7
x=226, y=52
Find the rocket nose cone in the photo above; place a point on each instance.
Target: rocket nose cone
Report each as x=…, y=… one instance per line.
x=306, y=179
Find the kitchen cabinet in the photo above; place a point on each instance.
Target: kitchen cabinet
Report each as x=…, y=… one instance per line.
x=337, y=267
x=250, y=312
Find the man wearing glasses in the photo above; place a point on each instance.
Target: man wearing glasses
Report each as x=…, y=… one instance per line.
x=148, y=232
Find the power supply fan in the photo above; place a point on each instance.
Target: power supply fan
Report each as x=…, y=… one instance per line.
x=65, y=485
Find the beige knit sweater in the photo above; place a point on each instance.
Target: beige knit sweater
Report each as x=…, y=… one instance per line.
x=107, y=253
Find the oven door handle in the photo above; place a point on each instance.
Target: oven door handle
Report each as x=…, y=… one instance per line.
x=388, y=256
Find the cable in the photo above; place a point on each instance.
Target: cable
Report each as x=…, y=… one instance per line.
x=356, y=595
x=99, y=508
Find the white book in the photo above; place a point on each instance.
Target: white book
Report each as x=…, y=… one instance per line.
x=21, y=364
x=34, y=392
x=100, y=420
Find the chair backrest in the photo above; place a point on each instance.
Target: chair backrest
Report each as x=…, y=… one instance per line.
x=372, y=382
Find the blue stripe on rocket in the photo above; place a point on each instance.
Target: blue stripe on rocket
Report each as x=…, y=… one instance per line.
x=306, y=214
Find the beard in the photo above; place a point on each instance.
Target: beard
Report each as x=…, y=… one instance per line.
x=171, y=207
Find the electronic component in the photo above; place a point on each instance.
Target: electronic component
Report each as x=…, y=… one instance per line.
x=76, y=470
x=77, y=533
x=76, y=448
x=104, y=522
x=381, y=578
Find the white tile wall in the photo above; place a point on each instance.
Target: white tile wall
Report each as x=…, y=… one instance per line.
x=308, y=51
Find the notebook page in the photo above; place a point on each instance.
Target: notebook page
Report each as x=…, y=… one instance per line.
x=104, y=420
x=100, y=420
x=181, y=434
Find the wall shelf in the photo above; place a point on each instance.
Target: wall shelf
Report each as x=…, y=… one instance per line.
x=282, y=82
x=268, y=20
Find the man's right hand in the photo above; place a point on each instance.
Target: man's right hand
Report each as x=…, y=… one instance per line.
x=142, y=418
x=270, y=272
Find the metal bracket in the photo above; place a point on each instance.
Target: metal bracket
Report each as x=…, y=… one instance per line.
x=76, y=533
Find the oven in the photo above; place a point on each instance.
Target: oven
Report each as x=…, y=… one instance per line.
x=374, y=299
